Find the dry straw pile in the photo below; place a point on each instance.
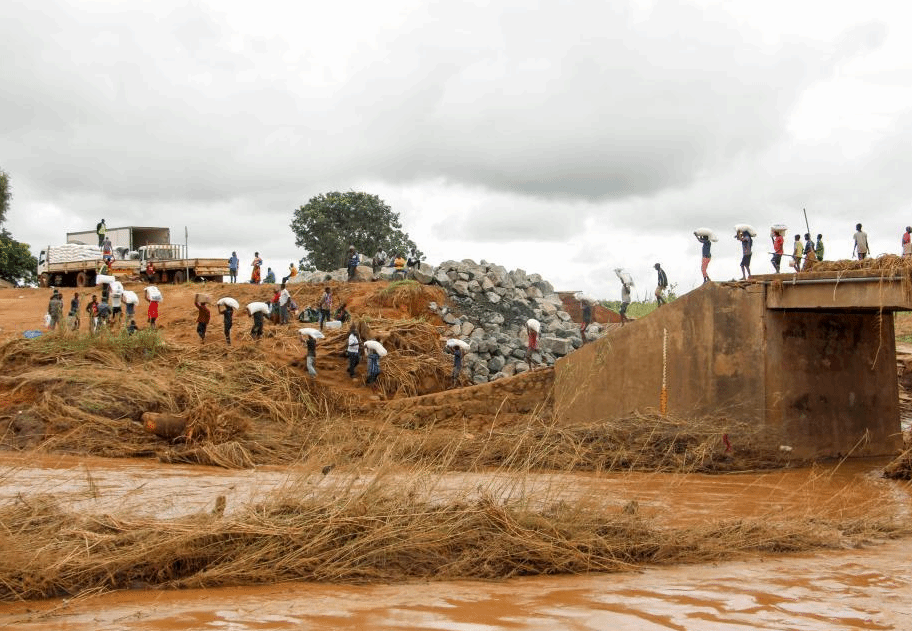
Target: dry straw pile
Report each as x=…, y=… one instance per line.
x=378, y=532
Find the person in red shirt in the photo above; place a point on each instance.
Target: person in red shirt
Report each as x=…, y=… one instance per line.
x=778, y=243
x=907, y=241
x=202, y=319
x=532, y=345
x=152, y=313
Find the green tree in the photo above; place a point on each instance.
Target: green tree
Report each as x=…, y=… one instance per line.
x=17, y=265
x=5, y=195
x=329, y=223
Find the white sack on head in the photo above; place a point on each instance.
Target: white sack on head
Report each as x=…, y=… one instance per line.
x=153, y=294
x=583, y=297
x=257, y=307
x=746, y=227
x=706, y=232
x=624, y=275
x=374, y=345
x=533, y=324
x=104, y=279
x=130, y=298
x=453, y=341
x=314, y=333
x=117, y=288
x=779, y=227
x=231, y=302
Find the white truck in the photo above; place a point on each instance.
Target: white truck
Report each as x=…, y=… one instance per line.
x=76, y=263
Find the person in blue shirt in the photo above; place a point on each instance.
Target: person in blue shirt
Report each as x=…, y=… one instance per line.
x=233, y=267
x=352, y=262
x=747, y=244
x=707, y=255
x=373, y=366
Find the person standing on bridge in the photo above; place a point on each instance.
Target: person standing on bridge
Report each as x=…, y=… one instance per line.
x=661, y=284
x=810, y=253
x=797, y=252
x=907, y=242
x=747, y=244
x=778, y=242
x=625, y=302
x=818, y=249
x=861, y=243
x=707, y=255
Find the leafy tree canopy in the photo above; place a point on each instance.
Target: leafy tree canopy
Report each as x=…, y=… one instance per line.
x=329, y=223
x=17, y=265
x=5, y=195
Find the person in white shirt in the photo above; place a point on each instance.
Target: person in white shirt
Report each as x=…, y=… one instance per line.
x=284, y=299
x=861, y=243
x=353, y=350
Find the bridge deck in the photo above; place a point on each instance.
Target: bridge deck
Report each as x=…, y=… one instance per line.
x=852, y=290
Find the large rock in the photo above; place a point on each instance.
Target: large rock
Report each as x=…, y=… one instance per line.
x=496, y=363
x=423, y=273
x=461, y=288
x=556, y=345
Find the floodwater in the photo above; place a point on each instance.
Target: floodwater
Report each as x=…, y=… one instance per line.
x=863, y=588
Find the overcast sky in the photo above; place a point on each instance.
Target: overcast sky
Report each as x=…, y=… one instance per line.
x=564, y=138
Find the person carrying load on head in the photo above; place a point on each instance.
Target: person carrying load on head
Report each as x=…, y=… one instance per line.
x=747, y=244
x=707, y=255
x=907, y=242
x=227, y=312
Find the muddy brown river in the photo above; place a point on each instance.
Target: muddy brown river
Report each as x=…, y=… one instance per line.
x=866, y=588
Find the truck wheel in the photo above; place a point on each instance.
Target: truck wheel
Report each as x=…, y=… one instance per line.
x=178, y=277
x=82, y=279
x=44, y=280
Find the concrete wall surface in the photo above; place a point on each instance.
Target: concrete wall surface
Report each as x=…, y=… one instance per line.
x=714, y=361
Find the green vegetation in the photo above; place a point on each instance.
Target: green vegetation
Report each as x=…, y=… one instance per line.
x=17, y=265
x=329, y=223
x=142, y=345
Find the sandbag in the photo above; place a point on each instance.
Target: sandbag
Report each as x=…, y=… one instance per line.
x=164, y=425
x=117, y=288
x=202, y=299
x=130, y=298
x=706, y=232
x=229, y=302
x=584, y=297
x=533, y=324
x=333, y=324
x=314, y=333
x=781, y=228
x=104, y=279
x=457, y=342
x=746, y=227
x=374, y=345
x=625, y=276
x=257, y=307
x=153, y=294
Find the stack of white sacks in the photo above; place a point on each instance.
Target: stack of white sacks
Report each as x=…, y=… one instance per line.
x=73, y=252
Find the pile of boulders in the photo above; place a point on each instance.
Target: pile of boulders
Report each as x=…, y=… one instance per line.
x=488, y=307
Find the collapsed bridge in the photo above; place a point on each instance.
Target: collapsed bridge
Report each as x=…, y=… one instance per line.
x=810, y=357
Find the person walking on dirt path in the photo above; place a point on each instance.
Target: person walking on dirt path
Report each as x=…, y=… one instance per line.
x=353, y=350
x=227, y=312
x=202, y=319
x=707, y=255
x=104, y=313
x=256, y=264
x=284, y=299
x=661, y=284
x=818, y=248
x=810, y=253
x=311, y=358
x=116, y=308
x=101, y=230
x=258, y=319
x=352, y=262
x=907, y=242
x=73, y=316
x=797, y=253
x=625, y=302
x=55, y=309
x=747, y=245
x=531, y=346
x=233, y=263
x=861, y=243
x=373, y=366
x=92, y=312
x=130, y=309
x=325, y=305
x=778, y=243
x=152, y=313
